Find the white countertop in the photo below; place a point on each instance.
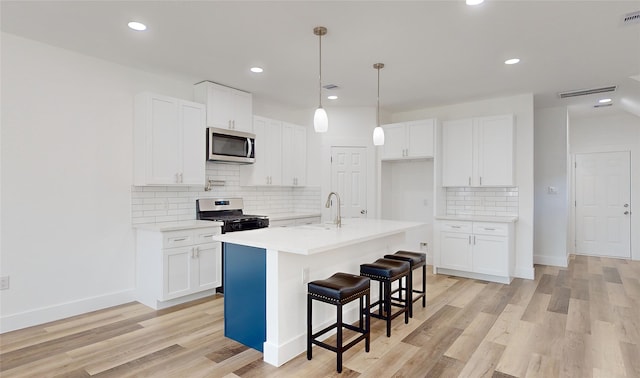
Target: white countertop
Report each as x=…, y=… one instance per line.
x=174, y=226
x=479, y=218
x=287, y=216
x=317, y=238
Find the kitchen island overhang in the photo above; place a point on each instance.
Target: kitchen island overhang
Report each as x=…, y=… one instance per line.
x=296, y=255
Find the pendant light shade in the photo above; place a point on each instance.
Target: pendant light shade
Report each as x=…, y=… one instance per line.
x=378, y=132
x=320, y=118
x=378, y=136
x=320, y=121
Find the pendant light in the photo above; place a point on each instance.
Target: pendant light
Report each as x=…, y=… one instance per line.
x=320, y=119
x=378, y=132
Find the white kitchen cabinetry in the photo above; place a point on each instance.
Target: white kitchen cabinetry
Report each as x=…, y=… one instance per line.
x=483, y=249
x=175, y=264
x=281, y=155
x=296, y=221
x=169, y=135
x=294, y=155
x=409, y=140
x=478, y=152
x=227, y=108
x=267, y=170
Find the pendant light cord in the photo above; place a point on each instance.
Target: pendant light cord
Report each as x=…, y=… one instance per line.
x=378, y=104
x=320, y=76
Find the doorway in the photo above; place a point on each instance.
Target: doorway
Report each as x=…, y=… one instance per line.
x=603, y=204
x=349, y=180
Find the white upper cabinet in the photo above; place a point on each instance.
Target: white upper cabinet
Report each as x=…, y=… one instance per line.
x=169, y=137
x=227, y=108
x=478, y=152
x=294, y=155
x=281, y=155
x=408, y=140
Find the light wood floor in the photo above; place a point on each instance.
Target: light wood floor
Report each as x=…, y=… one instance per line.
x=583, y=321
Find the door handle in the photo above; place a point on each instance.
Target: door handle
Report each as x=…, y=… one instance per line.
x=363, y=212
x=626, y=213
x=626, y=205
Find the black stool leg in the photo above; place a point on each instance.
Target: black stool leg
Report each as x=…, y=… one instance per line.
x=387, y=300
x=409, y=298
x=410, y=292
x=339, y=337
x=424, y=285
x=309, y=317
x=367, y=322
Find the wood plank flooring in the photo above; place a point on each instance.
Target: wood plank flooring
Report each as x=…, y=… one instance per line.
x=583, y=321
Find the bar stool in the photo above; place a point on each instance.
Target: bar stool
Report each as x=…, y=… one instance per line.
x=387, y=271
x=417, y=260
x=338, y=290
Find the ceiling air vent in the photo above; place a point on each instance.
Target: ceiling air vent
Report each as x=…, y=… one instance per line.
x=631, y=18
x=586, y=92
x=330, y=86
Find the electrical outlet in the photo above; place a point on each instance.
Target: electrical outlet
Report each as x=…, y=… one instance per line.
x=305, y=276
x=424, y=246
x=4, y=283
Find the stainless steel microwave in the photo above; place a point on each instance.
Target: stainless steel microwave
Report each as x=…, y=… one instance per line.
x=230, y=146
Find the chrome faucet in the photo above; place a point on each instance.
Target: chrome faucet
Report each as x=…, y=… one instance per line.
x=328, y=205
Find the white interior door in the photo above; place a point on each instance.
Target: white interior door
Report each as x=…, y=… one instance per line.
x=603, y=204
x=349, y=180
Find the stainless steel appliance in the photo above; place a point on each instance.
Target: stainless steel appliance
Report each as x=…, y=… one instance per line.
x=230, y=146
x=230, y=213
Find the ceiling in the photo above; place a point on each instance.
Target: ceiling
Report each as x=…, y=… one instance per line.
x=435, y=52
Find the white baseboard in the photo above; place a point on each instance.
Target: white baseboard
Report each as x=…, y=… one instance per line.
x=526, y=273
x=561, y=261
x=47, y=314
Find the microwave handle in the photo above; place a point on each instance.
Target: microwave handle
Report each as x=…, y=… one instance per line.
x=250, y=149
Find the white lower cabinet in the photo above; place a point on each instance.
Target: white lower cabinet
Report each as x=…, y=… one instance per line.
x=175, y=264
x=291, y=222
x=484, y=249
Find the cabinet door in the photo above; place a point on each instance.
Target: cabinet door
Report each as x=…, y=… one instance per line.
x=455, y=251
x=457, y=152
x=490, y=255
x=419, y=138
x=294, y=155
x=300, y=155
x=242, y=110
x=394, y=141
x=163, y=152
x=273, y=150
x=494, y=140
x=192, y=122
x=207, y=267
x=177, y=272
x=219, y=106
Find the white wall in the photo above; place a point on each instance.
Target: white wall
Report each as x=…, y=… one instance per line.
x=66, y=238
x=521, y=106
x=348, y=127
x=551, y=212
x=618, y=132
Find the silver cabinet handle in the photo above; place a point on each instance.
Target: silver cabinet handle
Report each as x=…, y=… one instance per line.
x=469, y=239
x=469, y=180
x=480, y=180
x=207, y=236
x=626, y=205
x=489, y=229
x=455, y=227
x=626, y=213
x=180, y=177
x=474, y=240
x=234, y=124
x=197, y=249
x=181, y=239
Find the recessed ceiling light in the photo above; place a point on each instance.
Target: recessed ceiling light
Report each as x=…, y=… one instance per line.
x=332, y=97
x=604, y=100
x=474, y=2
x=139, y=26
x=257, y=69
x=512, y=61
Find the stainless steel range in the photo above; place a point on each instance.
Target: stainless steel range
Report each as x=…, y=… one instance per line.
x=230, y=213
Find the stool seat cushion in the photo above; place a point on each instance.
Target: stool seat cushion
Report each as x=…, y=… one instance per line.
x=415, y=260
x=340, y=286
x=421, y=257
x=385, y=268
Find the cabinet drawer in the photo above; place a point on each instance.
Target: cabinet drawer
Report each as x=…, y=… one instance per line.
x=177, y=239
x=449, y=226
x=203, y=236
x=483, y=228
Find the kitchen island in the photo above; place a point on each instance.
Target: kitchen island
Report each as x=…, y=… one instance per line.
x=285, y=260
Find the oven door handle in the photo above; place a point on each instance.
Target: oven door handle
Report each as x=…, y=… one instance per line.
x=250, y=147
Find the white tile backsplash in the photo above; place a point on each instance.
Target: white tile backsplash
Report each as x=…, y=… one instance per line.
x=156, y=204
x=482, y=201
